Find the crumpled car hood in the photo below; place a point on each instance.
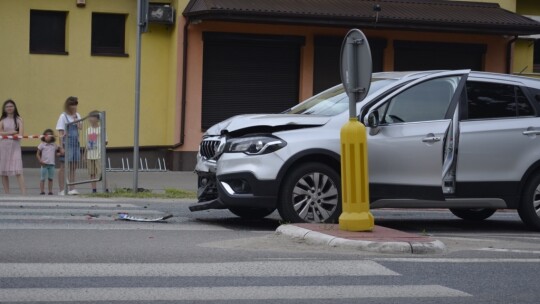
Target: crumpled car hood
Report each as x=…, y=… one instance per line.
x=281, y=121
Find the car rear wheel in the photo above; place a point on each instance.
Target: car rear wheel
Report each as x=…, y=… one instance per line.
x=479, y=214
x=311, y=193
x=251, y=213
x=529, y=207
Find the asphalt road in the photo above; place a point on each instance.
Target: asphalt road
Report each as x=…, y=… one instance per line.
x=74, y=250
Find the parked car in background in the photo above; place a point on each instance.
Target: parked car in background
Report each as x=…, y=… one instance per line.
x=467, y=141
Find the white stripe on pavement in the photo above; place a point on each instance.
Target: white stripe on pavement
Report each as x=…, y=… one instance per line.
x=509, y=250
x=231, y=269
x=38, y=217
x=65, y=204
x=118, y=225
x=456, y=260
x=226, y=293
x=77, y=211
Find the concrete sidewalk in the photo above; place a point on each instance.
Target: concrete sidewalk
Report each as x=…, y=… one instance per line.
x=155, y=181
x=380, y=240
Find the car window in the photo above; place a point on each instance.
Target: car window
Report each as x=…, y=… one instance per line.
x=426, y=101
x=496, y=100
x=334, y=100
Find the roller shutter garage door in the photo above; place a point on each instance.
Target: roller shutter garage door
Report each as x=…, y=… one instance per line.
x=246, y=74
x=418, y=56
x=327, y=56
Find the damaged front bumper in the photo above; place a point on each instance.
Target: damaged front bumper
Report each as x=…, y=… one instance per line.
x=207, y=193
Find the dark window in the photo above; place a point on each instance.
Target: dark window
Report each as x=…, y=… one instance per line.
x=47, y=32
x=536, y=58
x=108, y=34
x=494, y=100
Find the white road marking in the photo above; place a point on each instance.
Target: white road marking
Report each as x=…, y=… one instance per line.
x=65, y=204
x=38, y=217
x=456, y=260
x=119, y=225
x=231, y=269
x=226, y=293
x=76, y=211
x=509, y=250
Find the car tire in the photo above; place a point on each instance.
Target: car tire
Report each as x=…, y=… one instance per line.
x=311, y=192
x=479, y=214
x=251, y=213
x=529, y=207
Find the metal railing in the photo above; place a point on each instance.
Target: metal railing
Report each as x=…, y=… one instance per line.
x=85, y=143
x=160, y=165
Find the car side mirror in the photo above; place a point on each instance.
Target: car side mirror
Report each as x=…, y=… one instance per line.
x=373, y=123
x=373, y=120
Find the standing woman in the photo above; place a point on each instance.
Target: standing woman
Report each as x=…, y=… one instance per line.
x=10, y=149
x=69, y=140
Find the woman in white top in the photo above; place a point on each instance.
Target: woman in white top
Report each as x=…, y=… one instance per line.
x=69, y=140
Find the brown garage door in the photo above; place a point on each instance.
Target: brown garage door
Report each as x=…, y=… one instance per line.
x=326, y=61
x=418, y=56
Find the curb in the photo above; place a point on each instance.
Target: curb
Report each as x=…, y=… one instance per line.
x=396, y=247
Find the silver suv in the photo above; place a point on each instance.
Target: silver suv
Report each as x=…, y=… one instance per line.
x=467, y=141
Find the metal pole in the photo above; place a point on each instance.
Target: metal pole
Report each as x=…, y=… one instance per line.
x=103, y=147
x=66, y=159
x=137, y=97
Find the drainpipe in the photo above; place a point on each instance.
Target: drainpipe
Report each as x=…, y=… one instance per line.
x=509, y=54
x=184, y=85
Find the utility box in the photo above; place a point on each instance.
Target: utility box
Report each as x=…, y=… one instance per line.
x=159, y=13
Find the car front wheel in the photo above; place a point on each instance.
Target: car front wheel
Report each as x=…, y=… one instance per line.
x=479, y=214
x=529, y=207
x=311, y=193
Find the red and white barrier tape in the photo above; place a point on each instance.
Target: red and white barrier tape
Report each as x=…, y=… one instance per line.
x=22, y=137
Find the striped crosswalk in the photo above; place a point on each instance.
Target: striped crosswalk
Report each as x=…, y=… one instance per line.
x=274, y=280
x=230, y=271
x=85, y=215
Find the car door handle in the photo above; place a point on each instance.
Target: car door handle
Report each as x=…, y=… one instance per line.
x=431, y=139
x=531, y=132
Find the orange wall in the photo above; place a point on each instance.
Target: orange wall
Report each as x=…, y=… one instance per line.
x=494, y=61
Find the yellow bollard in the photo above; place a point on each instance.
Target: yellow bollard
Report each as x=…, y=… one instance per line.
x=354, y=178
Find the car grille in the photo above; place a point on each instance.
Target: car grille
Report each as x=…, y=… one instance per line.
x=208, y=148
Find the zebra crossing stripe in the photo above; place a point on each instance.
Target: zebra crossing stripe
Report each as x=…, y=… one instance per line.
x=226, y=293
x=229, y=269
x=78, y=211
x=111, y=226
x=64, y=205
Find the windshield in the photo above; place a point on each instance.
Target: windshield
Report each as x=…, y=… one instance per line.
x=333, y=101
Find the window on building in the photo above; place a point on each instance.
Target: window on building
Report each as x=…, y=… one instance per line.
x=536, y=57
x=494, y=100
x=47, y=32
x=108, y=34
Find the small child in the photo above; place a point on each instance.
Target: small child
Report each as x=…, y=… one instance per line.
x=93, y=148
x=46, y=154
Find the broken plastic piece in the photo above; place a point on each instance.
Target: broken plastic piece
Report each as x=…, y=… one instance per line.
x=127, y=217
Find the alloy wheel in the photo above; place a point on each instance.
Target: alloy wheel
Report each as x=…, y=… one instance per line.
x=315, y=197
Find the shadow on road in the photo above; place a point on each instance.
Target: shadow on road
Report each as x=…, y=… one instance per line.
x=236, y=223
x=422, y=221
